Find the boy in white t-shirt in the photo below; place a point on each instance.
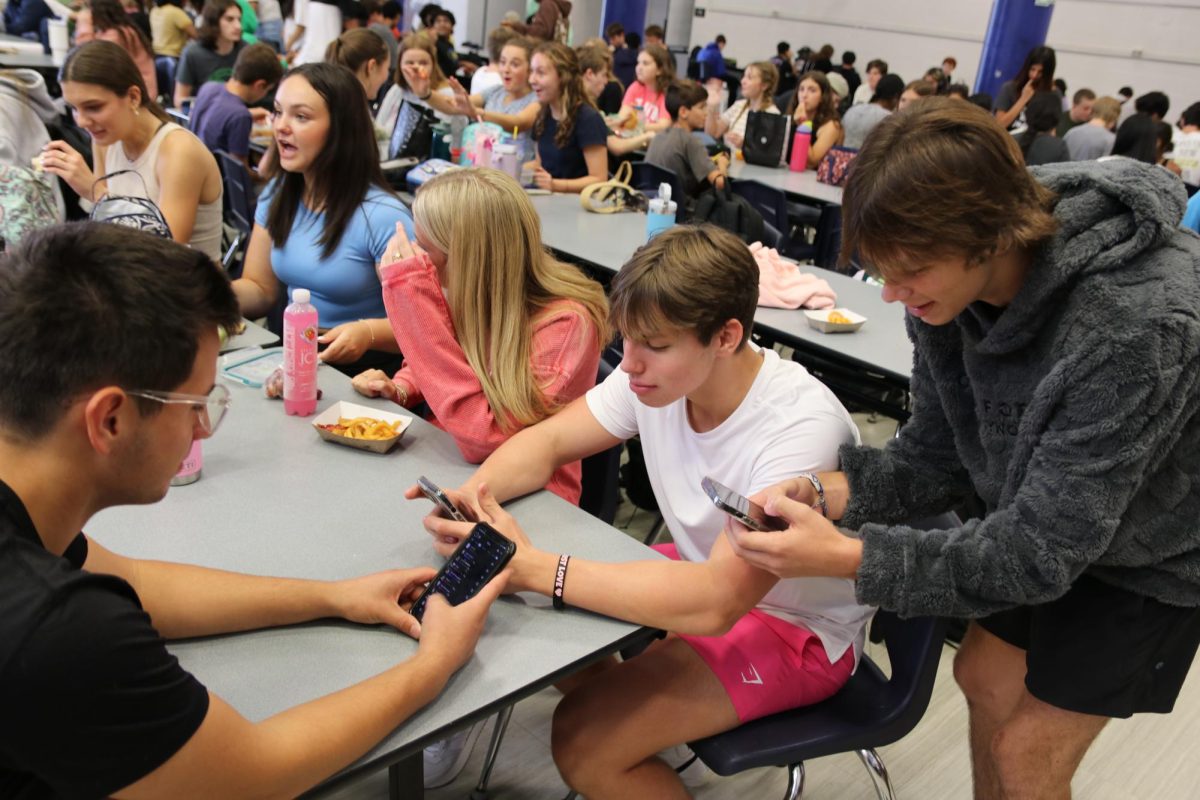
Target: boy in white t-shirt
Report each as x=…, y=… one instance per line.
x=705, y=402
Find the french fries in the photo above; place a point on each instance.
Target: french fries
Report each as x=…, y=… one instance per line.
x=838, y=318
x=364, y=428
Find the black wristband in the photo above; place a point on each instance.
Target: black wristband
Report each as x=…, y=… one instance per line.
x=560, y=579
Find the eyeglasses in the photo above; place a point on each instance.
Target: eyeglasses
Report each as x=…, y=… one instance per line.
x=209, y=408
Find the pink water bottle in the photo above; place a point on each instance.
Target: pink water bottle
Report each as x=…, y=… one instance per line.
x=800, y=144
x=300, y=355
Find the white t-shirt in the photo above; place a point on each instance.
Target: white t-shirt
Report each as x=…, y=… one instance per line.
x=788, y=423
x=485, y=79
x=1186, y=153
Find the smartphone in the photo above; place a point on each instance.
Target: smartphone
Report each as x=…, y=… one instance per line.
x=477, y=560
x=440, y=498
x=752, y=515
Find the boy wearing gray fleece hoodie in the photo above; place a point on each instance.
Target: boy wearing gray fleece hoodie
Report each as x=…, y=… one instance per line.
x=1055, y=317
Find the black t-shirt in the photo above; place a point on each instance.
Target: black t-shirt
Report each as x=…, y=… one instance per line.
x=568, y=162
x=90, y=699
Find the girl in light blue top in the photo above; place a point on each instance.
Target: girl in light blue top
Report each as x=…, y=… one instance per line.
x=511, y=105
x=324, y=220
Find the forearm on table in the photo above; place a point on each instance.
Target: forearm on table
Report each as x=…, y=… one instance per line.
x=185, y=600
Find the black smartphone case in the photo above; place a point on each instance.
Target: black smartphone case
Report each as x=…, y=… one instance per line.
x=479, y=558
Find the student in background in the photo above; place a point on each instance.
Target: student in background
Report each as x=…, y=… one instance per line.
x=706, y=402
x=488, y=76
x=624, y=70
x=324, y=220
x=497, y=334
x=785, y=67
x=1079, y=113
x=860, y=120
x=552, y=17
x=656, y=35
x=382, y=18
x=270, y=24
x=678, y=150
x=170, y=28
x=594, y=63
x=1038, y=142
x=814, y=103
x=418, y=78
x=362, y=52
x=512, y=105
x=1162, y=146
x=598, y=79
x=1095, y=138
x=112, y=24
x=220, y=115
x=1137, y=139
x=212, y=55
x=570, y=134
x=915, y=91
x=647, y=98
x=130, y=131
x=1187, y=145
x=847, y=71
x=759, y=83
x=876, y=69
x=1035, y=75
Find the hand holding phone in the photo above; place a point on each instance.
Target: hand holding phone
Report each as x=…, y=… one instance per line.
x=752, y=515
x=479, y=558
x=434, y=492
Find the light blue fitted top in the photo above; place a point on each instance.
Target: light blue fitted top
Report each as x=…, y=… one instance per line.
x=344, y=286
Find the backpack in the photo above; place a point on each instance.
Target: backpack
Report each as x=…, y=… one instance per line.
x=141, y=213
x=562, y=30
x=27, y=203
x=723, y=208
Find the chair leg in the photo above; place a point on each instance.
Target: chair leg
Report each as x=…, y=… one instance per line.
x=653, y=534
x=795, y=786
x=493, y=750
x=878, y=773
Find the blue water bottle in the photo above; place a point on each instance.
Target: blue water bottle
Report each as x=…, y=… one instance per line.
x=661, y=214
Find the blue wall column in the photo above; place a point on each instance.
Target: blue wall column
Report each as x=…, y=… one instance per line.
x=1015, y=28
x=630, y=13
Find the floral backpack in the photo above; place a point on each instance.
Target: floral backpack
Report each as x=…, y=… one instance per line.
x=27, y=202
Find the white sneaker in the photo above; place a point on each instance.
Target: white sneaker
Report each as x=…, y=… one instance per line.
x=445, y=759
x=687, y=765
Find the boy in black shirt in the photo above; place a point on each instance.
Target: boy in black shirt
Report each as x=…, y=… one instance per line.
x=108, y=347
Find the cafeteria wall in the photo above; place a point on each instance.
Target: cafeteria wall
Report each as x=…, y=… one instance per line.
x=1101, y=44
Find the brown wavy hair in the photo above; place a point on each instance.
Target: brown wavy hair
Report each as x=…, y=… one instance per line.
x=570, y=88
x=827, y=110
x=666, y=66
x=419, y=41
x=941, y=178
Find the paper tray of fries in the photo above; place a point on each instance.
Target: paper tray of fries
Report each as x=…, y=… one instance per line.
x=361, y=426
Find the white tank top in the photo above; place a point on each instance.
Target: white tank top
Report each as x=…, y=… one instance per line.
x=206, y=233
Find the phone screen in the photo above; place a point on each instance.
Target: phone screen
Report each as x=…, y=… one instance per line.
x=477, y=560
x=434, y=492
x=752, y=515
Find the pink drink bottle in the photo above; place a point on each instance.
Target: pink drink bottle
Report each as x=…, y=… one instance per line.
x=300, y=355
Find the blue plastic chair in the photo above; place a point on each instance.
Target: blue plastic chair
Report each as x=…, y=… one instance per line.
x=870, y=711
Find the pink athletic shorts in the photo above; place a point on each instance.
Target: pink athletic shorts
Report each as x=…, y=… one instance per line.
x=768, y=665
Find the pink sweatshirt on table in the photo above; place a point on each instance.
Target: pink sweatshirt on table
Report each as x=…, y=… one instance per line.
x=564, y=358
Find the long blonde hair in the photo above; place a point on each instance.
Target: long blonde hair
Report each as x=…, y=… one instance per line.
x=500, y=280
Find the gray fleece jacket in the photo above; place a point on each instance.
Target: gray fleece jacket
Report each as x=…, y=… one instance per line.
x=1074, y=412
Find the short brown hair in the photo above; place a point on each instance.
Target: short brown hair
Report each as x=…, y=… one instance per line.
x=941, y=178
x=689, y=277
x=259, y=62
x=657, y=32
x=1081, y=95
